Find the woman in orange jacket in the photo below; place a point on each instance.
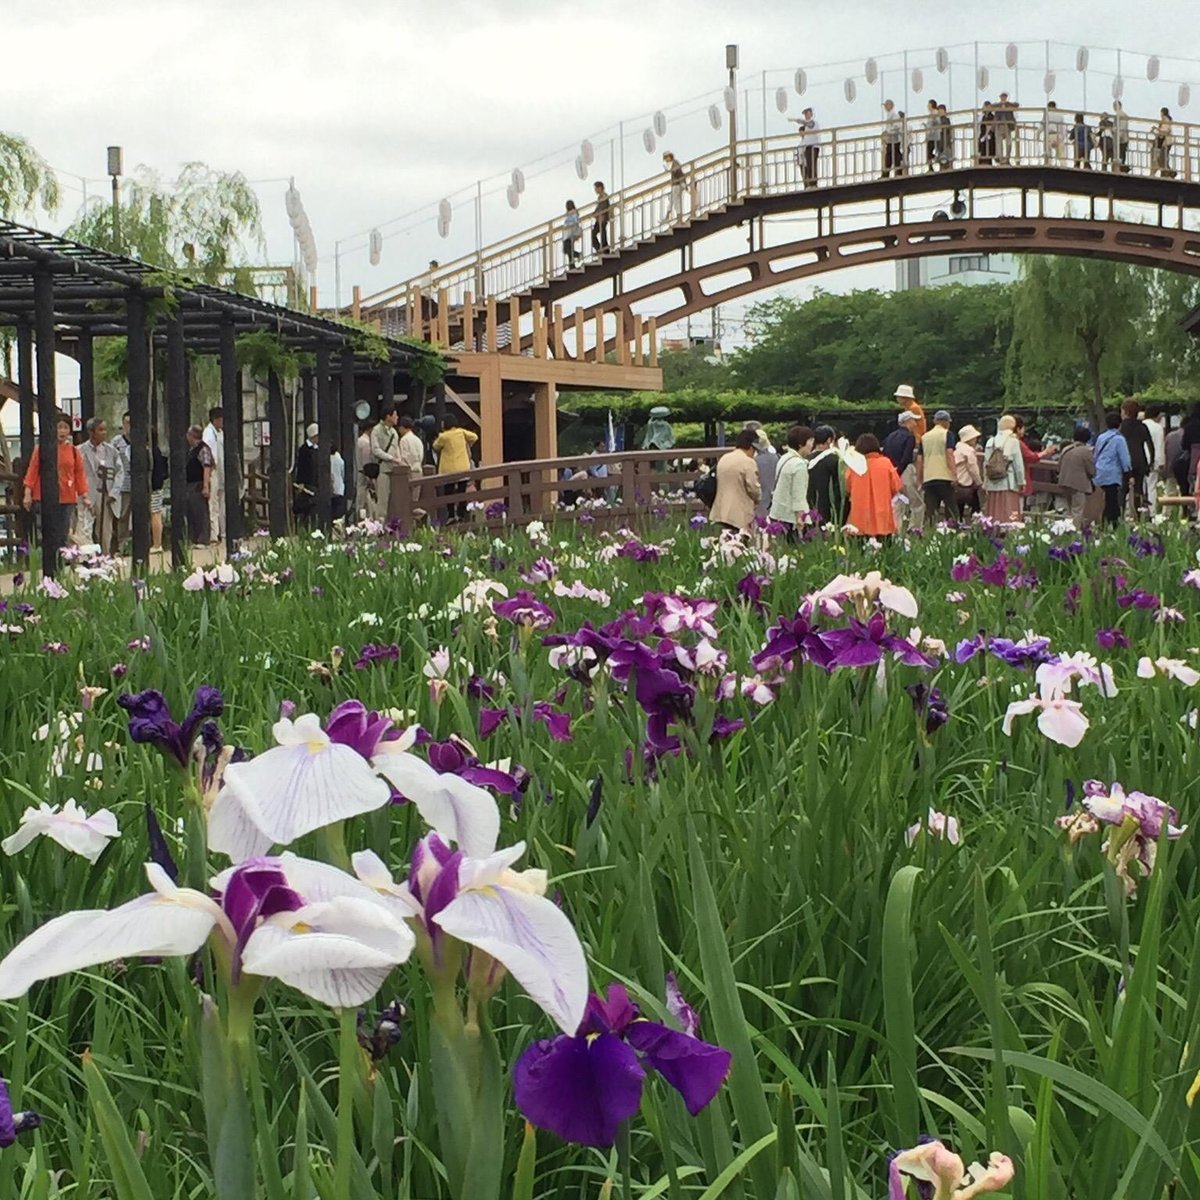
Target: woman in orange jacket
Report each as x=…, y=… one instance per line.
x=72, y=479
x=872, y=492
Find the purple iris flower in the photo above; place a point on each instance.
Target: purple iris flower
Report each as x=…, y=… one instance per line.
x=557, y=723
x=1109, y=639
x=352, y=724
x=930, y=703
x=582, y=1087
x=13, y=1124
x=1029, y=653
x=1071, y=597
x=478, y=688
x=150, y=720
x=962, y=571
x=863, y=644
x=379, y=1038
x=372, y=653
x=1137, y=598
x=750, y=588
x=542, y=571
x=455, y=757
x=790, y=641
x=257, y=889
x=995, y=574
x=525, y=609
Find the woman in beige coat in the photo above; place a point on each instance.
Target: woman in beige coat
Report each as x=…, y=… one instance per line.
x=738, y=487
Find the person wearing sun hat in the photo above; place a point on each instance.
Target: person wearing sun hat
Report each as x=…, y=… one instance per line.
x=968, y=478
x=906, y=398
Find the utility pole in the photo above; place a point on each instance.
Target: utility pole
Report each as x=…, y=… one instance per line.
x=731, y=61
x=116, y=159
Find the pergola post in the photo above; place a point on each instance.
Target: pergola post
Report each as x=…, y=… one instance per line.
x=177, y=426
x=387, y=386
x=326, y=435
x=348, y=432
x=307, y=406
x=25, y=376
x=277, y=452
x=87, y=376
x=138, y=379
x=54, y=520
x=231, y=402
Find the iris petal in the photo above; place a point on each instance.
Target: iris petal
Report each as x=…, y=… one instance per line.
x=695, y=1069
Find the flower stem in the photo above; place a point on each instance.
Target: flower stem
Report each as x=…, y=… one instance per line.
x=347, y=1070
x=624, y=1160
x=333, y=846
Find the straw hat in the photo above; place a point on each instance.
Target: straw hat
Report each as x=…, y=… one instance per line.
x=904, y=392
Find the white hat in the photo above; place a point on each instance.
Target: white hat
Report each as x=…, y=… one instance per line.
x=968, y=433
x=311, y=431
x=904, y=392
x=906, y=416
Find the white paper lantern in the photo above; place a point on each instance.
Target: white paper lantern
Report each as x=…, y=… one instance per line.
x=580, y=166
x=376, y=252
x=781, y=99
x=1048, y=81
x=918, y=80
x=1118, y=87
x=444, y=211
x=443, y=228
x=714, y=116
x=871, y=70
x=587, y=152
x=518, y=180
x=514, y=197
x=1152, y=67
x=942, y=60
x=850, y=90
x=1010, y=55
x=648, y=140
x=291, y=201
x=801, y=82
x=660, y=123
x=730, y=98
x=1081, y=58
x=981, y=79
x=1185, y=95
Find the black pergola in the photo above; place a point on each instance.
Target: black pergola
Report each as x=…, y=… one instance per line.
x=60, y=295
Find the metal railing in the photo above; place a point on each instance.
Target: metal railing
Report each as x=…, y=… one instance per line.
x=849, y=154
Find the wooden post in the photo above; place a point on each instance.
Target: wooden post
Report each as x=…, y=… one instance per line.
x=137, y=365
x=580, y=323
x=514, y=325
x=400, y=497
x=348, y=426
x=177, y=427
x=326, y=435
x=387, y=388
x=87, y=377
x=231, y=402
x=277, y=455
x=637, y=339
x=468, y=322
x=545, y=420
x=652, y=349
x=539, y=329
x=27, y=390
x=308, y=407
x=356, y=303
x=443, y=318
x=558, y=331
x=598, y=349
x=491, y=415
x=622, y=338
x=493, y=327
x=54, y=531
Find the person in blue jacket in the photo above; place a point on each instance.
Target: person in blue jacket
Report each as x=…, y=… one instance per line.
x=1113, y=465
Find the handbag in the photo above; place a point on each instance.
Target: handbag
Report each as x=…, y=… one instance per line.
x=371, y=470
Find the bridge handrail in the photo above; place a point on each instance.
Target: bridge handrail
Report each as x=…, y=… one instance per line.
x=766, y=166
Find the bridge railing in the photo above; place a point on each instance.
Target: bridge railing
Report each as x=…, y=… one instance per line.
x=848, y=154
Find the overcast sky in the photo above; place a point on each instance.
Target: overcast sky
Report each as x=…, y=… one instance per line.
x=378, y=109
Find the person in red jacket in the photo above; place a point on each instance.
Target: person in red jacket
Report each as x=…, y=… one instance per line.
x=872, y=492
x=72, y=479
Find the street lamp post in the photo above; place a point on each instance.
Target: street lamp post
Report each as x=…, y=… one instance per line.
x=731, y=61
x=116, y=162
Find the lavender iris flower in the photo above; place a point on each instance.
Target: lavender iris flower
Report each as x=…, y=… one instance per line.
x=1109, y=639
x=582, y=1087
x=13, y=1124
x=151, y=723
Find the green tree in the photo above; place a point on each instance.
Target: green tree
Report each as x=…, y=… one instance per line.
x=25, y=177
x=207, y=222
x=1076, y=321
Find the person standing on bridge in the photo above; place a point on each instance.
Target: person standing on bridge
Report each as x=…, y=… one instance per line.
x=893, y=141
x=678, y=182
x=1164, y=139
x=1007, y=149
x=933, y=135
x=1121, y=136
x=1081, y=142
x=600, y=218
x=987, y=134
x=1056, y=134
x=810, y=147
x=572, y=233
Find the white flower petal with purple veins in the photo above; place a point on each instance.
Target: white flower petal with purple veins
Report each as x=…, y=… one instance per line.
x=305, y=783
x=532, y=938
x=71, y=828
x=373, y=873
x=457, y=810
x=169, y=921
x=338, y=952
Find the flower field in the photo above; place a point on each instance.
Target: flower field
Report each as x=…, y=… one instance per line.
x=578, y=864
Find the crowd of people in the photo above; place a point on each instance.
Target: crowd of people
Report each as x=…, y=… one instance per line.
x=923, y=472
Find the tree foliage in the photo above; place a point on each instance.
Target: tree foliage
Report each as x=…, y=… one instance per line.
x=25, y=178
x=206, y=222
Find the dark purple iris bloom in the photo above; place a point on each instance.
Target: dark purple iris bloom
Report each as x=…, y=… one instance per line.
x=863, y=644
x=478, y=688
x=1138, y=599
x=372, y=653
x=750, y=588
x=724, y=726
x=150, y=720
x=961, y=572
x=454, y=757
x=542, y=571
x=1071, y=597
x=582, y=1087
x=1030, y=653
x=495, y=510
x=639, y=552
x=525, y=609
x=1147, y=547
x=379, y=1038
x=1109, y=639
x=791, y=641
x=13, y=1124
x=557, y=723
x=257, y=889
x=930, y=703
x=352, y=724
x=996, y=574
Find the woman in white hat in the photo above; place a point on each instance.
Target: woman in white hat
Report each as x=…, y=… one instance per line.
x=968, y=478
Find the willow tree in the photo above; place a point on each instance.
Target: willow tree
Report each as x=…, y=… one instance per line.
x=1074, y=321
x=25, y=178
x=205, y=222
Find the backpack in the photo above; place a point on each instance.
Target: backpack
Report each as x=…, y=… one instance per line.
x=705, y=489
x=995, y=467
